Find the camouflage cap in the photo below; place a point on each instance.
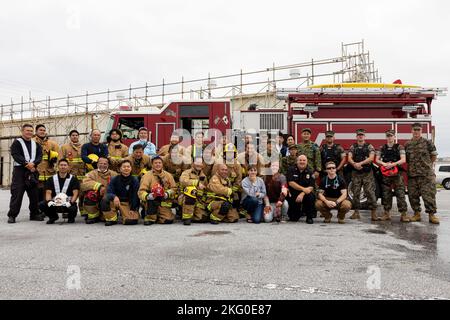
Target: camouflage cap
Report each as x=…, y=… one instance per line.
x=293, y=146
x=390, y=132
x=329, y=133
x=416, y=126
x=306, y=129
x=360, y=131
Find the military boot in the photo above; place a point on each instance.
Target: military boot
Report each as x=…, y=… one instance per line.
x=327, y=217
x=386, y=216
x=355, y=215
x=416, y=217
x=404, y=217
x=374, y=215
x=433, y=218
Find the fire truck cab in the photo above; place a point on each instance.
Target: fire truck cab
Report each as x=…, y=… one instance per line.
x=192, y=116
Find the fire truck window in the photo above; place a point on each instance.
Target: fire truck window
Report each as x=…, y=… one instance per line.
x=195, y=125
x=444, y=169
x=130, y=127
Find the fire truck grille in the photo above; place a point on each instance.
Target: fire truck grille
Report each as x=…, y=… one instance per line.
x=271, y=121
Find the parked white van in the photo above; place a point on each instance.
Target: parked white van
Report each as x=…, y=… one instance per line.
x=442, y=171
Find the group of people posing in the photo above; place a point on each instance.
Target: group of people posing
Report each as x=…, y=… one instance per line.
x=113, y=183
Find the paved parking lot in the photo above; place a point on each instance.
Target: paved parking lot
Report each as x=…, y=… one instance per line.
x=358, y=260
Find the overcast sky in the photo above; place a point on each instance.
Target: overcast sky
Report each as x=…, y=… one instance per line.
x=60, y=47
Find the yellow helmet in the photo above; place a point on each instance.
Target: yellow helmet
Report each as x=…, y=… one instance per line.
x=143, y=171
x=191, y=191
x=94, y=159
x=230, y=148
x=52, y=157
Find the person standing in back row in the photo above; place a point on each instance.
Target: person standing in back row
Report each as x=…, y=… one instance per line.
x=420, y=156
x=50, y=153
x=390, y=158
x=27, y=155
x=360, y=157
x=331, y=151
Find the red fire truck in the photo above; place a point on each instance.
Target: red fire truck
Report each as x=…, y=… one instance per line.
x=342, y=108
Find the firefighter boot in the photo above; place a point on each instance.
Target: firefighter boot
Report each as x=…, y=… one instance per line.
x=386, y=216
x=404, y=217
x=374, y=216
x=433, y=219
x=187, y=222
x=416, y=217
x=355, y=215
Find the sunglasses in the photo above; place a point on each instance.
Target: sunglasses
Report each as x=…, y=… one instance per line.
x=331, y=168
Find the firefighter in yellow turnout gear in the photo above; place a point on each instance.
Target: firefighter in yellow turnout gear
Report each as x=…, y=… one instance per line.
x=220, y=197
x=234, y=175
x=116, y=149
x=193, y=182
x=50, y=153
x=94, y=187
x=72, y=153
x=158, y=191
x=140, y=162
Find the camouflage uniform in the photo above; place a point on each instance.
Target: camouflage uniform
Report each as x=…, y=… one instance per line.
x=363, y=179
x=393, y=185
x=286, y=163
x=312, y=152
x=421, y=178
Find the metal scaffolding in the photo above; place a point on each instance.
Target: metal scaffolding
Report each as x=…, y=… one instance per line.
x=85, y=110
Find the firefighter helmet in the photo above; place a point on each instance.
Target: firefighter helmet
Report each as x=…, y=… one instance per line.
x=52, y=156
x=94, y=159
x=230, y=148
x=92, y=195
x=392, y=172
x=158, y=190
x=143, y=171
x=190, y=191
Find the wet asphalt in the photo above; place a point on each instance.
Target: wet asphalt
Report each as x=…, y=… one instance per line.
x=358, y=260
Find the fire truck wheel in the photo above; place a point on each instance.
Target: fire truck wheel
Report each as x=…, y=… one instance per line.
x=362, y=197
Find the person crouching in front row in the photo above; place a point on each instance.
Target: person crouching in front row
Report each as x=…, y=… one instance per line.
x=253, y=195
x=332, y=194
x=158, y=191
x=122, y=196
x=301, y=188
x=61, y=194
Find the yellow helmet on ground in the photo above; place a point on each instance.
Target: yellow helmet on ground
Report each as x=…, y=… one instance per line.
x=191, y=191
x=94, y=159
